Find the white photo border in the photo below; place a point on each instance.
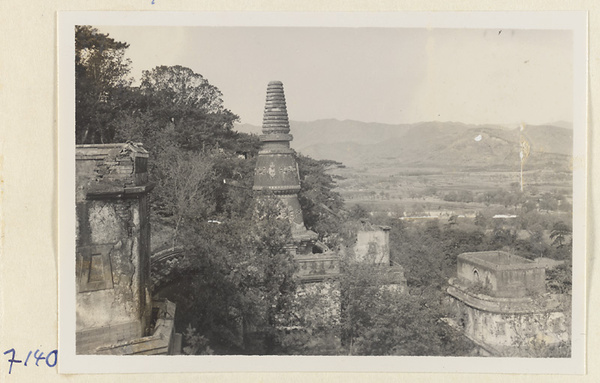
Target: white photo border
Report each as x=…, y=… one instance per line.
x=70, y=363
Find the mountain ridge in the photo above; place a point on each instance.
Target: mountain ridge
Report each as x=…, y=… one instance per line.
x=431, y=144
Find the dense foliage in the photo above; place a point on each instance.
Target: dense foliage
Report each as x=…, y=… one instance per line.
x=379, y=319
x=321, y=205
x=101, y=82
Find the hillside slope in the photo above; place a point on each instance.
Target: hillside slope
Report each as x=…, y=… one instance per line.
x=430, y=144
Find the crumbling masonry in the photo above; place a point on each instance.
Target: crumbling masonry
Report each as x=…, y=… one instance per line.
x=500, y=302
x=115, y=313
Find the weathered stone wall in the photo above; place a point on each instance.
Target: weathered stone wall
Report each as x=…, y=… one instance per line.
x=512, y=334
x=373, y=246
x=109, y=167
x=113, y=240
x=87, y=341
x=114, y=309
x=503, y=280
x=500, y=302
x=111, y=230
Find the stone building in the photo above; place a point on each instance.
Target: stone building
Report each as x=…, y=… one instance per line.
x=372, y=247
x=277, y=172
x=372, y=244
x=115, y=312
x=500, y=302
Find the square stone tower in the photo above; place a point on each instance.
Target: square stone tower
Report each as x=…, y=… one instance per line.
x=500, y=303
x=115, y=314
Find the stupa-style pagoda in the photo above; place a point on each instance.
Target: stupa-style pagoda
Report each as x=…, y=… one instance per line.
x=277, y=171
x=276, y=168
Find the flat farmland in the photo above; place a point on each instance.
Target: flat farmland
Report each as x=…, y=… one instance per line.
x=434, y=191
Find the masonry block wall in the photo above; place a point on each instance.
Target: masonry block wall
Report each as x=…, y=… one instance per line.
x=373, y=244
x=113, y=244
x=513, y=334
x=502, y=274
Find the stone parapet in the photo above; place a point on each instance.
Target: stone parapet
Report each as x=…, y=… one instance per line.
x=317, y=267
x=161, y=342
x=517, y=305
x=112, y=170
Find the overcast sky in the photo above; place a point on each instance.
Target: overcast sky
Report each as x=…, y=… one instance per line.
x=387, y=75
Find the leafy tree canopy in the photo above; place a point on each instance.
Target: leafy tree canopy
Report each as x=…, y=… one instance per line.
x=321, y=204
x=240, y=278
x=101, y=71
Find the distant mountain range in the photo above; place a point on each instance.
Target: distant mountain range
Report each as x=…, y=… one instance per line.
x=430, y=144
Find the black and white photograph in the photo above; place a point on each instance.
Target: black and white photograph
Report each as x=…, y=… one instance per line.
x=339, y=187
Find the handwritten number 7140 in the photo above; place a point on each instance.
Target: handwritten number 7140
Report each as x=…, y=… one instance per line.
x=51, y=359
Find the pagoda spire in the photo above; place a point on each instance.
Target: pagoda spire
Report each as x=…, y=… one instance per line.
x=276, y=168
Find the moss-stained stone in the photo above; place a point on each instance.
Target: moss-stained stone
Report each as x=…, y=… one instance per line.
x=500, y=302
x=113, y=248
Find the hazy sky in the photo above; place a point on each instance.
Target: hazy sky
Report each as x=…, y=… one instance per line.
x=387, y=75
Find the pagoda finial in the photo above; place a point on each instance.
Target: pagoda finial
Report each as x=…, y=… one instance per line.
x=275, y=118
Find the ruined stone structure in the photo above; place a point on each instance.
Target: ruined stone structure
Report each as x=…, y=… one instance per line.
x=500, y=303
x=115, y=312
x=373, y=247
x=373, y=244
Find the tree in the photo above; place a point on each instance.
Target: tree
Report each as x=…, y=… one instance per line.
x=321, y=205
x=181, y=87
x=179, y=117
x=101, y=80
x=405, y=325
x=451, y=197
x=559, y=278
x=184, y=187
x=548, y=202
x=358, y=212
x=378, y=319
x=559, y=234
x=196, y=344
x=464, y=196
x=311, y=325
x=187, y=106
x=243, y=279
